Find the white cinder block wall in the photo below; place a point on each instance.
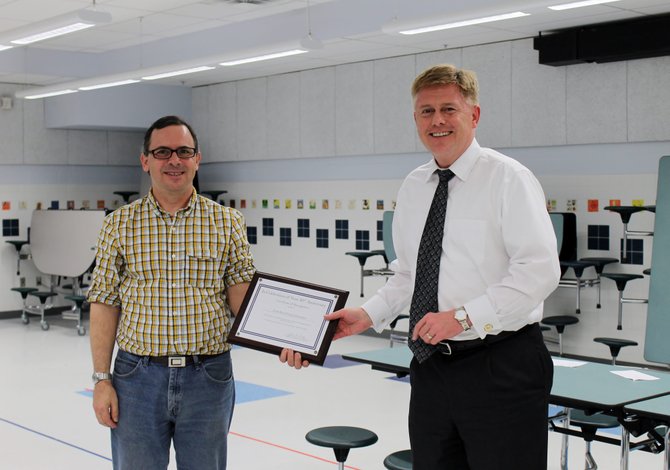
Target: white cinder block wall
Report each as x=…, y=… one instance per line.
x=345, y=133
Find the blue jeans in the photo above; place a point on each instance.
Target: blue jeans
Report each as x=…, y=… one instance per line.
x=192, y=406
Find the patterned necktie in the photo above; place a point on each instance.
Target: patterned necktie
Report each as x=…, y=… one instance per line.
x=424, y=298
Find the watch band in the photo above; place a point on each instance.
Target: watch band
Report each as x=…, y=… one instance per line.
x=462, y=319
x=100, y=376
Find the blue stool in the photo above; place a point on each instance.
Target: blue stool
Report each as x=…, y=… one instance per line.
x=24, y=291
x=43, y=296
x=341, y=439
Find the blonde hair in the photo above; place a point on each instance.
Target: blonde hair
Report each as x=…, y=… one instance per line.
x=447, y=74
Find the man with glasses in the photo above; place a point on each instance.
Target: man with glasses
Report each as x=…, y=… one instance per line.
x=171, y=268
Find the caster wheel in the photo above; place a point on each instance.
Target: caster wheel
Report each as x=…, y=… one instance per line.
x=81, y=331
x=25, y=320
x=44, y=325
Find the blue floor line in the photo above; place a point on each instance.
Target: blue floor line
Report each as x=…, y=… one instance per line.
x=60, y=441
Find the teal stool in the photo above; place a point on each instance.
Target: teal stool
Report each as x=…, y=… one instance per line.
x=24, y=291
x=78, y=302
x=621, y=279
x=43, y=296
x=615, y=345
x=401, y=460
x=126, y=195
x=17, y=244
x=341, y=439
x=560, y=322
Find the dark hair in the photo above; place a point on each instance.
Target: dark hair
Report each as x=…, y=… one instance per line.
x=167, y=121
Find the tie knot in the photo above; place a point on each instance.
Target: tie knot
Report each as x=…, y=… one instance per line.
x=445, y=175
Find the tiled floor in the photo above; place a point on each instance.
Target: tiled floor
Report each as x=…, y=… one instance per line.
x=46, y=419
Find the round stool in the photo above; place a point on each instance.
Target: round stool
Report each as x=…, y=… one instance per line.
x=214, y=193
x=24, y=291
x=578, y=266
x=126, y=195
x=599, y=264
x=401, y=460
x=43, y=296
x=647, y=272
x=341, y=439
x=615, y=345
x=18, y=244
x=560, y=322
x=621, y=280
x=362, y=257
x=589, y=425
x=78, y=302
x=625, y=212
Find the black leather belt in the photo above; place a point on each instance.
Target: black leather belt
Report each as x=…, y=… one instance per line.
x=450, y=348
x=180, y=361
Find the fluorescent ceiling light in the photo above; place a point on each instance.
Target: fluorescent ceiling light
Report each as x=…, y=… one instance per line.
x=178, y=72
x=275, y=55
x=108, y=84
x=52, y=93
x=56, y=26
x=586, y=3
x=458, y=24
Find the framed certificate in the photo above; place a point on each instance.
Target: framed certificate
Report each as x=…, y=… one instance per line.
x=279, y=312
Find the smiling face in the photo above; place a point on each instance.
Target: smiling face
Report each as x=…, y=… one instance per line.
x=445, y=121
x=172, y=178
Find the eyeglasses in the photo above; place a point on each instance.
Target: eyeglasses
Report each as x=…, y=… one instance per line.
x=165, y=153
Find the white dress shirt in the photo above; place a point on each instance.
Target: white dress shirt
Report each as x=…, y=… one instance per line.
x=499, y=257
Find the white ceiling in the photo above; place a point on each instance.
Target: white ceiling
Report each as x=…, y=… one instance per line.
x=151, y=33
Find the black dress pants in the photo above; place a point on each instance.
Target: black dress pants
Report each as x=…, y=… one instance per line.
x=484, y=409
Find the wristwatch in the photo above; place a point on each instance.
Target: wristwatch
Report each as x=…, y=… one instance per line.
x=99, y=376
x=462, y=317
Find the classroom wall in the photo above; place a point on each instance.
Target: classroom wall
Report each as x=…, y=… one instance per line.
x=345, y=135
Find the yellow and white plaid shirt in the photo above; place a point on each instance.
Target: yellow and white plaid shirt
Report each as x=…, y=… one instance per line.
x=168, y=274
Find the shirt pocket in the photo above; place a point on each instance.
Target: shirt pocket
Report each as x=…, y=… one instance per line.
x=466, y=240
x=203, y=267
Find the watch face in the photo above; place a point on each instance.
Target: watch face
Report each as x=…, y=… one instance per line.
x=461, y=314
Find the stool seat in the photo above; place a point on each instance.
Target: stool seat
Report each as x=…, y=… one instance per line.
x=594, y=421
x=651, y=208
x=615, y=345
x=126, y=195
x=578, y=266
x=599, y=263
x=622, y=278
x=401, y=460
x=341, y=439
x=18, y=244
x=42, y=295
x=77, y=299
x=625, y=211
x=560, y=321
x=647, y=272
x=24, y=291
x=363, y=256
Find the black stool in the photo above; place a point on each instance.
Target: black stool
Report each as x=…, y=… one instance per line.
x=341, y=439
x=397, y=337
x=78, y=302
x=362, y=257
x=24, y=291
x=126, y=195
x=43, y=296
x=214, y=193
x=625, y=212
x=621, y=280
x=578, y=266
x=599, y=264
x=589, y=424
x=560, y=322
x=615, y=345
x=401, y=460
x=18, y=244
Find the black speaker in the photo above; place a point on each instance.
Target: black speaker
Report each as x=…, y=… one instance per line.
x=639, y=38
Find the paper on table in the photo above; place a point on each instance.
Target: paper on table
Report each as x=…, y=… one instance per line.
x=634, y=375
x=566, y=362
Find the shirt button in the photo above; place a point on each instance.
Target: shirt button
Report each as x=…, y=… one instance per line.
x=488, y=327
x=173, y=256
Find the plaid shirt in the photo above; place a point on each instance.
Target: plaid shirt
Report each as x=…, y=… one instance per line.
x=168, y=274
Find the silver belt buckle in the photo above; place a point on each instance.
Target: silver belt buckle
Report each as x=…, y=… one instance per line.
x=445, y=345
x=176, y=361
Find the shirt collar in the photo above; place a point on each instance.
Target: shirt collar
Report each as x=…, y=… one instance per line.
x=193, y=200
x=463, y=165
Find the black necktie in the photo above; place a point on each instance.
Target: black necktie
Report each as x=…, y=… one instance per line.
x=424, y=298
